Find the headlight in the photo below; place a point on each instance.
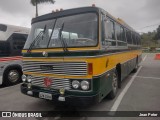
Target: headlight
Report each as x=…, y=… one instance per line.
x=85, y=85
x=24, y=78
x=75, y=84
x=29, y=79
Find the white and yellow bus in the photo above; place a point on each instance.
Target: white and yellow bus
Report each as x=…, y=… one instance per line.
x=12, y=40
x=78, y=55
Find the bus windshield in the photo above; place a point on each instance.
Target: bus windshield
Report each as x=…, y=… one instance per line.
x=76, y=31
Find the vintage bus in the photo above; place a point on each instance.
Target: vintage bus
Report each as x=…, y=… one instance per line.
x=12, y=40
x=78, y=55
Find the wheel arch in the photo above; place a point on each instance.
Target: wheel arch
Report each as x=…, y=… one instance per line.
x=118, y=68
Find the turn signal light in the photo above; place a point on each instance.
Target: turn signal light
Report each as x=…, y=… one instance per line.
x=90, y=68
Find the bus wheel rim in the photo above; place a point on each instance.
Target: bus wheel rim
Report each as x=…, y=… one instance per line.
x=13, y=76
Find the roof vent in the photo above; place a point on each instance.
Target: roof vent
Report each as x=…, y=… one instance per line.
x=93, y=5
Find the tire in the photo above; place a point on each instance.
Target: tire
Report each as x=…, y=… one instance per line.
x=119, y=83
x=113, y=93
x=12, y=76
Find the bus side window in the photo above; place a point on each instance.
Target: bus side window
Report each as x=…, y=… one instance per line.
x=4, y=49
x=138, y=40
x=134, y=39
x=129, y=37
x=120, y=33
x=125, y=33
x=17, y=42
x=109, y=33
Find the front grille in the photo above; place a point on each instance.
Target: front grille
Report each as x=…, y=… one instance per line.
x=57, y=68
x=57, y=83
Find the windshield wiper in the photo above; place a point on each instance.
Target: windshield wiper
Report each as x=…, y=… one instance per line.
x=37, y=39
x=51, y=33
x=64, y=44
x=59, y=36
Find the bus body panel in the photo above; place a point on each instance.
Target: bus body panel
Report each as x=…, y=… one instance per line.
x=103, y=61
x=103, y=68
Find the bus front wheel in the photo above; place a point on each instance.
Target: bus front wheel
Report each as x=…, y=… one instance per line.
x=12, y=76
x=113, y=92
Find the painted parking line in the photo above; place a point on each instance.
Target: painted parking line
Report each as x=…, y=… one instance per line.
x=148, y=77
x=121, y=95
x=144, y=58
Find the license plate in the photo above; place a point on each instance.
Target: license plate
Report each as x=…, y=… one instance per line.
x=61, y=98
x=45, y=96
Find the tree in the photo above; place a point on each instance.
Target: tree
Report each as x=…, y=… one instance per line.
x=148, y=39
x=157, y=36
x=36, y=2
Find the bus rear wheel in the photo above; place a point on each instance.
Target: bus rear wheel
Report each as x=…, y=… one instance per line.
x=113, y=93
x=12, y=76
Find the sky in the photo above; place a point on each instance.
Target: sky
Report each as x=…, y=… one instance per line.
x=142, y=15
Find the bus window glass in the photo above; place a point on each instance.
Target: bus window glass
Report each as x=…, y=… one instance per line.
x=78, y=30
x=123, y=37
x=40, y=31
x=4, y=49
x=19, y=41
x=134, y=39
x=118, y=32
x=129, y=38
x=109, y=33
x=109, y=30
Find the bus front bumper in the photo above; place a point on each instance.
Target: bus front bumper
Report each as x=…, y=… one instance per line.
x=69, y=99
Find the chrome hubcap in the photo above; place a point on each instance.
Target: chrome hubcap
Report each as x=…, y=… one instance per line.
x=13, y=76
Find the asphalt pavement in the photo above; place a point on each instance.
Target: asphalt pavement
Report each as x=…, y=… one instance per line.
x=140, y=92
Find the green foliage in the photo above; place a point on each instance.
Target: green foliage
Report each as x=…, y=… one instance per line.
x=150, y=39
x=157, y=36
x=34, y=2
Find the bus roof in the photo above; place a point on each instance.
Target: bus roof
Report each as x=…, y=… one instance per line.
x=65, y=13
x=7, y=30
x=79, y=10
x=118, y=20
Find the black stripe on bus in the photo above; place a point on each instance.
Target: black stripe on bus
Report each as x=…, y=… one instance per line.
x=77, y=53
